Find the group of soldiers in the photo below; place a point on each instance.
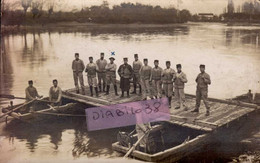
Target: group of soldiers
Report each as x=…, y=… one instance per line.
x=152, y=82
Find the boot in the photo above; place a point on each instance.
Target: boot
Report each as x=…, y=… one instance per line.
x=207, y=113
x=99, y=86
x=134, y=92
x=115, y=87
x=83, y=91
x=140, y=89
x=108, y=87
x=104, y=87
x=96, y=90
x=122, y=95
x=195, y=110
x=170, y=102
x=91, y=90
x=128, y=94
x=77, y=91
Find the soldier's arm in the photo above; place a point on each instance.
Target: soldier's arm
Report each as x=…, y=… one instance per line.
x=196, y=80
x=113, y=68
x=72, y=65
x=151, y=76
x=207, y=79
x=60, y=94
x=119, y=71
x=184, y=78
x=131, y=70
x=174, y=75
x=83, y=64
x=37, y=94
x=86, y=70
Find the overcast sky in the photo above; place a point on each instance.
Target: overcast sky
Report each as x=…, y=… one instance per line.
x=195, y=6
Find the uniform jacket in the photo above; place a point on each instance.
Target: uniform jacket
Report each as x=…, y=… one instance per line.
x=31, y=93
x=91, y=69
x=179, y=80
x=203, y=80
x=168, y=75
x=101, y=65
x=78, y=65
x=137, y=66
x=145, y=72
x=156, y=73
x=55, y=94
x=111, y=69
x=125, y=71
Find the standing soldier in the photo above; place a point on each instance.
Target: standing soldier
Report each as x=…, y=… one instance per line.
x=125, y=72
x=137, y=64
x=203, y=80
x=91, y=69
x=101, y=65
x=168, y=76
x=111, y=75
x=145, y=74
x=78, y=67
x=55, y=93
x=156, y=80
x=179, y=87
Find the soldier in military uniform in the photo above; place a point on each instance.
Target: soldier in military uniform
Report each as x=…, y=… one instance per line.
x=179, y=83
x=202, y=80
x=156, y=80
x=111, y=75
x=137, y=64
x=91, y=70
x=78, y=68
x=145, y=74
x=168, y=77
x=125, y=72
x=101, y=65
x=55, y=93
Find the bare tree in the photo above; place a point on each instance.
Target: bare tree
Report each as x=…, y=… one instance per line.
x=50, y=6
x=37, y=6
x=26, y=4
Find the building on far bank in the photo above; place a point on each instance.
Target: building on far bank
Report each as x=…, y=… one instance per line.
x=206, y=16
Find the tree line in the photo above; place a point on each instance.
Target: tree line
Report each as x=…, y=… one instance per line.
x=32, y=12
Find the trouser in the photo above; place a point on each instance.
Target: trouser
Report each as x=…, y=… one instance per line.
x=157, y=88
x=92, y=81
x=111, y=79
x=136, y=79
x=146, y=88
x=180, y=97
x=168, y=89
x=102, y=77
x=78, y=76
x=202, y=94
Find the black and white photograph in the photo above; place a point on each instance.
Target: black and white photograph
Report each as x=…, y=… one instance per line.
x=105, y=81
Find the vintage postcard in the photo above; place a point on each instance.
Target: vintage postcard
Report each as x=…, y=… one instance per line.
x=130, y=81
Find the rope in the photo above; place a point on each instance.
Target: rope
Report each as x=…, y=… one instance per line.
x=59, y=114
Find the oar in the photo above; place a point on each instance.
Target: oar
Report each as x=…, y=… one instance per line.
x=134, y=146
x=10, y=96
x=17, y=108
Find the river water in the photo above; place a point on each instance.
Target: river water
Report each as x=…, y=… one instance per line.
x=231, y=55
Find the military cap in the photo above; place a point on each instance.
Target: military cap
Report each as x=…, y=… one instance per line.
x=178, y=65
x=30, y=82
x=90, y=57
x=145, y=59
x=102, y=53
x=136, y=55
x=156, y=61
x=125, y=58
x=112, y=58
x=76, y=53
x=168, y=62
x=202, y=66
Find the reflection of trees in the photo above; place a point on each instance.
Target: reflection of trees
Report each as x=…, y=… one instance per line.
x=6, y=67
x=242, y=36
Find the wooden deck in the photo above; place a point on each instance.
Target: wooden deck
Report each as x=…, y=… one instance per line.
x=222, y=112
